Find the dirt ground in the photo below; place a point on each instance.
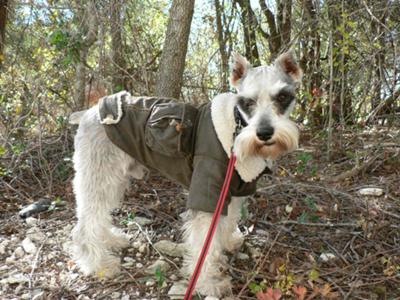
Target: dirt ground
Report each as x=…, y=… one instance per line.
x=309, y=226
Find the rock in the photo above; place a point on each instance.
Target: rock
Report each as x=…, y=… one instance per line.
x=142, y=221
x=142, y=248
x=15, y=278
x=19, y=252
x=150, y=282
x=254, y=252
x=10, y=259
x=173, y=277
x=125, y=297
x=35, y=208
x=177, y=290
x=162, y=265
x=3, y=246
x=35, y=234
x=242, y=256
x=139, y=265
x=371, y=192
x=136, y=244
x=211, y=298
x=115, y=295
x=170, y=248
x=38, y=295
x=29, y=246
x=325, y=257
x=31, y=221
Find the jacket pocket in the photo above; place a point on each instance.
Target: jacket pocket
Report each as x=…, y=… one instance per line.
x=169, y=129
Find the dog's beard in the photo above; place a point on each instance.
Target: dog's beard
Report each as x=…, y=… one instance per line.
x=284, y=140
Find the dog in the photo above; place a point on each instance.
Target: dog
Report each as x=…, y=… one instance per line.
x=123, y=137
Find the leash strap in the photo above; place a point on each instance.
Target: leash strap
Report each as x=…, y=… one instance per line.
x=212, y=229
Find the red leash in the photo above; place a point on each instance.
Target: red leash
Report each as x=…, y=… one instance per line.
x=212, y=229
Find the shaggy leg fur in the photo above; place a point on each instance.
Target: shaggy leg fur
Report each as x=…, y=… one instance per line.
x=102, y=175
x=213, y=281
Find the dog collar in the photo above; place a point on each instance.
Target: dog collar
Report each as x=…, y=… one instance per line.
x=239, y=120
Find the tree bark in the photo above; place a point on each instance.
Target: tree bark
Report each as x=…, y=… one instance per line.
x=249, y=23
x=117, y=54
x=172, y=62
x=222, y=47
x=3, y=20
x=89, y=22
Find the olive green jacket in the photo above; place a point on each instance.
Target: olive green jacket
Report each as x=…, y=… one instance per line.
x=177, y=140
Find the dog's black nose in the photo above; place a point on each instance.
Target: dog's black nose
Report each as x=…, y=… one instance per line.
x=264, y=133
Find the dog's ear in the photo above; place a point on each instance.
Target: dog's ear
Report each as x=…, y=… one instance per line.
x=239, y=69
x=287, y=63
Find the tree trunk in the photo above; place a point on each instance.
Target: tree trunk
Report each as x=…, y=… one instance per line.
x=249, y=23
x=172, y=62
x=3, y=20
x=117, y=54
x=89, y=32
x=222, y=47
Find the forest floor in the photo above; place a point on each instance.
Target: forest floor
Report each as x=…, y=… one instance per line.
x=309, y=228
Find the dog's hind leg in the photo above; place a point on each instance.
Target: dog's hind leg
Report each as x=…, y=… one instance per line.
x=102, y=175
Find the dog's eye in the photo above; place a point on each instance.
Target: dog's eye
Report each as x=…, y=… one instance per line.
x=247, y=104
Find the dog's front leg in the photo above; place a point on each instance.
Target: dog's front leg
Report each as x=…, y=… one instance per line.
x=213, y=280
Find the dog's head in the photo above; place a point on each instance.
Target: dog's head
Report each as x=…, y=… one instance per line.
x=265, y=99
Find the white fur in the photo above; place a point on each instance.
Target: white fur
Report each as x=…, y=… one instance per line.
x=248, y=167
x=102, y=175
x=213, y=280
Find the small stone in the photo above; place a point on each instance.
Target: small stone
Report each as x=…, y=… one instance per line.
x=325, y=257
x=173, y=277
x=38, y=295
x=31, y=221
x=136, y=244
x=139, y=265
x=139, y=255
x=115, y=295
x=29, y=246
x=142, y=221
x=177, y=290
x=60, y=264
x=128, y=259
x=25, y=296
x=10, y=259
x=15, y=278
x=125, y=297
x=371, y=192
x=242, y=256
x=161, y=265
x=211, y=298
x=170, y=248
x=35, y=234
x=150, y=282
x=142, y=248
x=254, y=252
x=3, y=246
x=19, y=252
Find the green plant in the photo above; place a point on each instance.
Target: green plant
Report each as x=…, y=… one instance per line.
x=131, y=216
x=160, y=277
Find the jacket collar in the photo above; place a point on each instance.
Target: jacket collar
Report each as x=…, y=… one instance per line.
x=223, y=118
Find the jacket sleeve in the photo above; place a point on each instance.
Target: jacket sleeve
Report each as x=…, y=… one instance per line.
x=205, y=187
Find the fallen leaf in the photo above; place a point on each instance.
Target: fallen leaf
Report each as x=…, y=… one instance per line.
x=270, y=294
x=300, y=292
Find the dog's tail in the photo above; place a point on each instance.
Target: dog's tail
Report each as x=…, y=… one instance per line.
x=76, y=117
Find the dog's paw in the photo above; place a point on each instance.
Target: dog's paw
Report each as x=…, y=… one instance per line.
x=118, y=239
x=214, y=286
x=235, y=242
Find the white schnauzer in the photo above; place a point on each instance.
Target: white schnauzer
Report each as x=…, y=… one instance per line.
x=123, y=137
